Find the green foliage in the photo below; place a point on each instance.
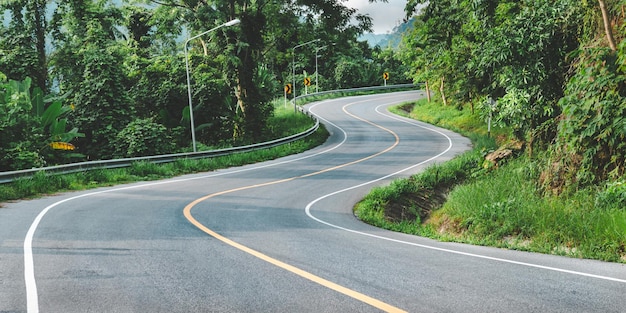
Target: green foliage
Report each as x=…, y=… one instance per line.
x=52, y=117
x=512, y=111
x=47, y=183
x=497, y=207
x=103, y=107
x=143, y=137
x=514, y=50
x=524, y=61
x=22, y=41
x=28, y=126
x=117, y=62
x=506, y=209
x=613, y=196
x=411, y=195
x=349, y=73
x=594, y=109
x=459, y=120
x=158, y=87
x=525, y=55
x=388, y=60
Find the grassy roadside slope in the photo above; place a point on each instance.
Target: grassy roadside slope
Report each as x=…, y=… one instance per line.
x=465, y=200
x=283, y=123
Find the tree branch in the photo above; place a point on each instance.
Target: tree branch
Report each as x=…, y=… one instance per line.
x=169, y=4
x=607, y=25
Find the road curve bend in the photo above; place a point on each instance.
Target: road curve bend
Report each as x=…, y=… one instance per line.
x=280, y=236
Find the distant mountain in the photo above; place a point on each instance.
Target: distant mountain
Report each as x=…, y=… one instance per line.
x=374, y=39
x=392, y=39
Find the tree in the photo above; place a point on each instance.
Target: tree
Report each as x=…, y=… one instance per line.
x=23, y=41
x=388, y=60
x=430, y=46
x=88, y=63
x=260, y=42
x=143, y=137
x=103, y=107
x=497, y=48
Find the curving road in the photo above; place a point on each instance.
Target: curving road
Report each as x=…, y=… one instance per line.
x=280, y=237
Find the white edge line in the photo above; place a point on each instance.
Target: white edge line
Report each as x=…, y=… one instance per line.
x=32, y=300
x=308, y=212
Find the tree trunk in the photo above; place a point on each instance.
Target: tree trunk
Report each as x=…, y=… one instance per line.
x=249, y=99
x=427, y=92
x=40, y=35
x=205, y=49
x=443, y=94
x=607, y=25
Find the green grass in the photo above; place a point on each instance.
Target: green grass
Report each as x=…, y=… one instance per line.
x=506, y=209
x=503, y=206
x=461, y=121
x=339, y=94
x=284, y=123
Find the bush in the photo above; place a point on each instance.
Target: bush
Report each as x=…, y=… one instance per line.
x=143, y=137
x=613, y=196
x=592, y=129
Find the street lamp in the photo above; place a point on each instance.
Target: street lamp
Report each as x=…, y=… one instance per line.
x=193, y=131
x=293, y=68
x=316, y=56
x=316, y=75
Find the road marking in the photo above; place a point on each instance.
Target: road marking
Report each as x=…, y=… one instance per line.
x=32, y=298
x=302, y=273
x=555, y=269
x=316, y=279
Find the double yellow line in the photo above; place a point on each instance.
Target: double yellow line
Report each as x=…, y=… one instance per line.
x=316, y=279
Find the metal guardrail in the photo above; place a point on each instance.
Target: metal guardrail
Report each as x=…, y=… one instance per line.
x=7, y=177
x=371, y=88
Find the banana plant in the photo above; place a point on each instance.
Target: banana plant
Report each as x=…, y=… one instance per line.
x=50, y=115
x=29, y=124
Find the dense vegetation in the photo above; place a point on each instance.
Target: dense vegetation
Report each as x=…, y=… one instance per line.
x=552, y=74
x=116, y=73
x=556, y=70
x=283, y=121
x=469, y=200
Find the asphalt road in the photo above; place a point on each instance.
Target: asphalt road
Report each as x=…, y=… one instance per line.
x=280, y=236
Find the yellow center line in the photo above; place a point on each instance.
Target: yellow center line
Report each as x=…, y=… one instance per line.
x=321, y=281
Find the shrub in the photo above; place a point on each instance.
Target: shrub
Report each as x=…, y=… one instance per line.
x=613, y=196
x=143, y=137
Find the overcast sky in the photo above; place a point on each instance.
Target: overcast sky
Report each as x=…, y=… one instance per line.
x=385, y=16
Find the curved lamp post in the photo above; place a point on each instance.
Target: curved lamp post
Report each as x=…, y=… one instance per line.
x=317, y=50
x=193, y=130
x=293, y=68
x=316, y=56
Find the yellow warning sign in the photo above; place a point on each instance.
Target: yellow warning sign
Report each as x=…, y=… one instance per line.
x=57, y=145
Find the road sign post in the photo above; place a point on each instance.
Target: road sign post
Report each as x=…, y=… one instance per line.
x=287, y=92
x=492, y=106
x=307, y=83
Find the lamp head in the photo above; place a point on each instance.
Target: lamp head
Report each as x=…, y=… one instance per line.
x=233, y=22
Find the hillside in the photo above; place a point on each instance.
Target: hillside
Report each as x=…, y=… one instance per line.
x=392, y=39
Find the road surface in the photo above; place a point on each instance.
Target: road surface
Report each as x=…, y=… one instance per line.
x=280, y=236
